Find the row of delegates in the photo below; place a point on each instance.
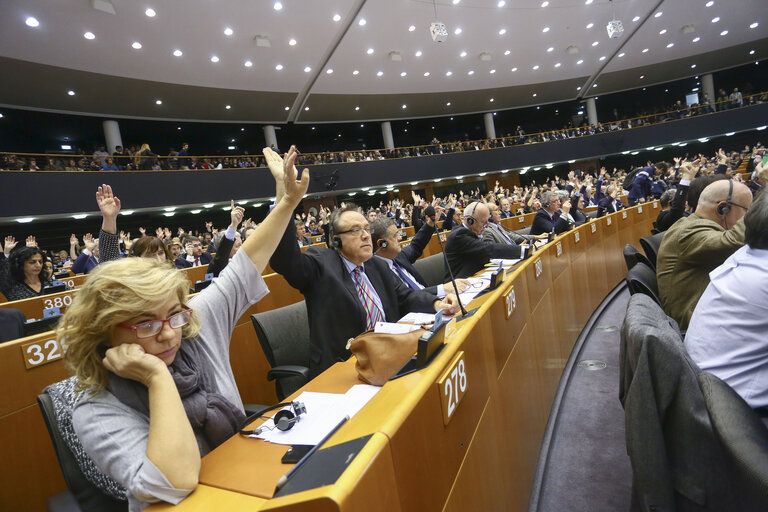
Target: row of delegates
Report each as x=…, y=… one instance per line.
x=153, y=367
x=25, y=271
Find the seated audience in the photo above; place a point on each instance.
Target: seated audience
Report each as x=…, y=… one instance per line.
x=552, y=216
x=227, y=242
x=22, y=274
x=495, y=233
x=130, y=323
x=726, y=333
x=89, y=256
x=695, y=245
x=195, y=255
x=301, y=234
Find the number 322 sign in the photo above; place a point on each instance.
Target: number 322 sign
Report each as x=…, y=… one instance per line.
x=453, y=386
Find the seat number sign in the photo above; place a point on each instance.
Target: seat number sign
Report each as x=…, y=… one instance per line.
x=453, y=386
x=37, y=353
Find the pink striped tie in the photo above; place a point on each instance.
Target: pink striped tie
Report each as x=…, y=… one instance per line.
x=372, y=312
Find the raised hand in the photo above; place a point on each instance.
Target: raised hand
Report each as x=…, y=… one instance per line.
x=73, y=241
x=209, y=224
x=275, y=165
x=109, y=204
x=294, y=190
x=167, y=233
x=236, y=215
x=180, y=231
x=31, y=241
x=10, y=243
x=89, y=242
x=122, y=235
x=142, y=231
x=159, y=233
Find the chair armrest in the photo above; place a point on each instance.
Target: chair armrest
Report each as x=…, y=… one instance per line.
x=288, y=370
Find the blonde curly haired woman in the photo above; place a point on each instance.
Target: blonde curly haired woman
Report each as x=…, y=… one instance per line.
x=153, y=364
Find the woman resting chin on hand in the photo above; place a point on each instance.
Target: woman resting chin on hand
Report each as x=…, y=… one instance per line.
x=153, y=364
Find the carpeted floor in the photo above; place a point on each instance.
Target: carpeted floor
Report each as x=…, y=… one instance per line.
x=588, y=469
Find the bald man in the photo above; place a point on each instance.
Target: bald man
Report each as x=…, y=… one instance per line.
x=465, y=249
x=695, y=245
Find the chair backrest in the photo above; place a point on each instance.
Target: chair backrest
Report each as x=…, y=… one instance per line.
x=642, y=279
x=284, y=336
x=524, y=231
x=744, y=438
x=11, y=324
x=56, y=406
x=650, y=245
x=431, y=268
x=632, y=256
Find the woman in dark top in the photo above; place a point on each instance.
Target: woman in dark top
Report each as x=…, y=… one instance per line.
x=577, y=202
x=22, y=274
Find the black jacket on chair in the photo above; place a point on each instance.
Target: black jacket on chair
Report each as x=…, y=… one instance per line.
x=333, y=307
x=467, y=253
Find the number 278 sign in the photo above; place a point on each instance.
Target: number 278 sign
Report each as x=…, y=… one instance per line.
x=453, y=386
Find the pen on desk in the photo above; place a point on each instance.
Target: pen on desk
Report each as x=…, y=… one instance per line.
x=284, y=479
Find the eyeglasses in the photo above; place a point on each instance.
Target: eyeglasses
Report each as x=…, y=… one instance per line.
x=356, y=231
x=734, y=204
x=152, y=327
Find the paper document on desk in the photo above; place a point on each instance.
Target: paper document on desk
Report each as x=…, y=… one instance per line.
x=418, y=318
x=324, y=411
x=476, y=285
x=506, y=263
x=390, y=328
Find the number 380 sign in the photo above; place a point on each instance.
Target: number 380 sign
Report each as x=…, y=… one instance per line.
x=453, y=386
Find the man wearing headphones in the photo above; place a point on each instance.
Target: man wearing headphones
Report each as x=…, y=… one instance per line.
x=465, y=249
x=695, y=245
x=552, y=217
x=346, y=289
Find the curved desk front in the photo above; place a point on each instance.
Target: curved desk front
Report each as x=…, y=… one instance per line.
x=483, y=455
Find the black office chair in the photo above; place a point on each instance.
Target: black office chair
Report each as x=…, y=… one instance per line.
x=92, y=490
x=431, y=268
x=632, y=256
x=744, y=438
x=11, y=324
x=642, y=279
x=650, y=245
x=284, y=337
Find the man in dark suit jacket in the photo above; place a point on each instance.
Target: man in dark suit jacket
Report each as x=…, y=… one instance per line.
x=195, y=255
x=552, y=217
x=337, y=281
x=301, y=234
x=465, y=249
x=400, y=259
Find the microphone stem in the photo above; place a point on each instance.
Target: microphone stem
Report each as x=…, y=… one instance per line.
x=450, y=272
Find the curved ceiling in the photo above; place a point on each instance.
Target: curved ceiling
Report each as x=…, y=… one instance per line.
x=498, y=54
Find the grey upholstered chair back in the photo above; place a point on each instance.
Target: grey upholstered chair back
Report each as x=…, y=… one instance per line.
x=650, y=245
x=90, y=492
x=524, y=231
x=677, y=463
x=284, y=337
x=642, y=279
x=744, y=438
x=431, y=268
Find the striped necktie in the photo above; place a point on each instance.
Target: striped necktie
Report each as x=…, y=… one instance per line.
x=372, y=312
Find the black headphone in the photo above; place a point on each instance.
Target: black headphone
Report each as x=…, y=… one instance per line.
x=471, y=219
x=723, y=208
x=284, y=419
x=382, y=244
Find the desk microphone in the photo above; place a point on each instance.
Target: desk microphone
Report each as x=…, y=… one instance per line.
x=429, y=212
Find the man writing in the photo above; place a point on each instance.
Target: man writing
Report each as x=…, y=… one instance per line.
x=346, y=290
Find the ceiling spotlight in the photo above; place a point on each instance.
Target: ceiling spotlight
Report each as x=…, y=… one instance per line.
x=580, y=61
x=248, y=63
x=287, y=109
x=411, y=28
x=754, y=25
x=636, y=19
x=645, y=50
x=362, y=22
x=601, y=59
x=463, y=54
x=214, y=58
x=150, y=12
x=535, y=67
x=557, y=64
x=658, y=14
x=379, y=73
x=448, y=104
x=587, y=2
x=357, y=108
x=621, y=54
x=426, y=73
x=513, y=69
x=336, y=17
x=418, y=53
x=543, y=4
x=228, y=107
x=670, y=45
x=551, y=49
x=369, y=51
x=177, y=53
x=32, y=22
x=279, y=67
x=329, y=71
x=642, y=76
x=71, y=93
x=89, y=35
x=502, y=31
x=307, y=69
x=595, y=43
x=455, y=2
x=693, y=66
x=545, y=29
x=534, y=95
x=491, y=100
x=448, y=73
x=403, y=73
x=457, y=31
x=724, y=33
x=136, y=45
x=228, y=31
x=751, y=52
x=709, y=4
x=306, y=109
x=662, y=32
x=292, y=42
x=715, y=19
x=695, y=39
x=158, y=102
x=278, y=6
x=405, y=106
x=507, y=52
x=492, y=71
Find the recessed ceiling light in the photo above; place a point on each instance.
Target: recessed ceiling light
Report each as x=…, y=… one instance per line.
x=662, y=32
x=411, y=28
x=534, y=95
x=329, y=71
x=214, y=58
x=754, y=25
x=403, y=73
x=242, y=129
x=158, y=102
x=248, y=63
x=306, y=109
x=580, y=61
x=751, y=52
x=551, y=49
x=578, y=88
x=177, y=53
x=601, y=59
x=636, y=19
x=357, y=108
x=279, y=67
x=695, y=39
x=89, y=35
x=545, y=29
x=642, y=76
x=287, y=108
x=670, y=45
x=594, y=85
x=228, y=31
x=658, y=14
x=645, y=50
x=471, y=72
x=595, y=43
x=507, y=52
x=535, y=67
x=715, y=19
x=418, y=53
x=136, y=45
x=491, y=100
x=379, y=73
x=456, y=2
x=514, y=69
x=492, y=71
x=724, y=33
x=150, y=12
x=405, y=106
x=71, y=93
x=463, y=54
x=587, y=2
x=448, y=104
x=543, y=4
x=710, y=3
x=228, y=107
x=426, y=73
x=457, y=31
x=448, y=73
x=621, y=54
x=292, y=42
x=693, y=66
x=277, y=6
x=557, y=64
x=369, y=51
x=336, y=17
x=307, y=69
x=32, y=22
x=362, y=22
x=590, y=25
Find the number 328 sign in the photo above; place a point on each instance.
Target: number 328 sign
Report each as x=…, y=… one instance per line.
x=453, y=386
